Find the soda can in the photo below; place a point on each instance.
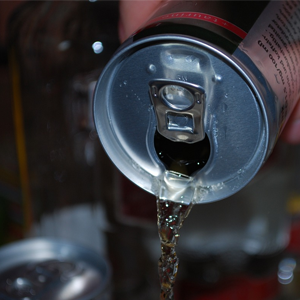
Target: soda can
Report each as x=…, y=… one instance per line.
x=191, y=105
x=41, y=268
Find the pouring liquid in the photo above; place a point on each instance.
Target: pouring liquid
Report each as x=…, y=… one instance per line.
x=175, y=200
x=170, y=217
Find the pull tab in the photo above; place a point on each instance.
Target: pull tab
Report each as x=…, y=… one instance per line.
x=179, y=109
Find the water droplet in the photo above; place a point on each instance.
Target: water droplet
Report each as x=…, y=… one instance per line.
x=240, y=173
x=151, y=69
x=217, y=78
x=215, y=132
x=170, y=58
x=97, y=47
x=224, y=107
x=125, y=82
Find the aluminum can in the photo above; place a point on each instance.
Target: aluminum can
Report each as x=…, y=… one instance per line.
x=198, y=96
x=40, y=268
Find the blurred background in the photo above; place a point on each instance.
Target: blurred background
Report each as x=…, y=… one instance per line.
x=56, y=181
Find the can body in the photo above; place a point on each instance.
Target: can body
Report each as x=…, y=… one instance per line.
x=215, y=75
x=52, y=269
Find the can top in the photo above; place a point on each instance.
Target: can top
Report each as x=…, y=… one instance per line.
x=187, y=91
x=51, y=269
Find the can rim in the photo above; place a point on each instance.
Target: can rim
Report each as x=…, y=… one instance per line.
x=39, y=249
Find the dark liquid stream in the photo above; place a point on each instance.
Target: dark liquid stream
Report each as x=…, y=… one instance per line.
x=170, y=217
x=183, y=159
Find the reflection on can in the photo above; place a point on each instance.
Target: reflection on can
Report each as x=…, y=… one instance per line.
x=47, y=269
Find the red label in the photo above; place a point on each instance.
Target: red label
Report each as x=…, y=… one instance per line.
x=203, y=17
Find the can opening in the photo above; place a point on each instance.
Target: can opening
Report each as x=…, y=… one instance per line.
x=181, y=157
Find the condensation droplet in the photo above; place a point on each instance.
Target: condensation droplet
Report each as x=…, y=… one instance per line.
x=217, y=78
x=170, y=58
x=151, y=69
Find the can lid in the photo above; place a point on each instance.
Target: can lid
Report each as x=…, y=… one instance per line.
x=51, y=269
x=127, y=120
